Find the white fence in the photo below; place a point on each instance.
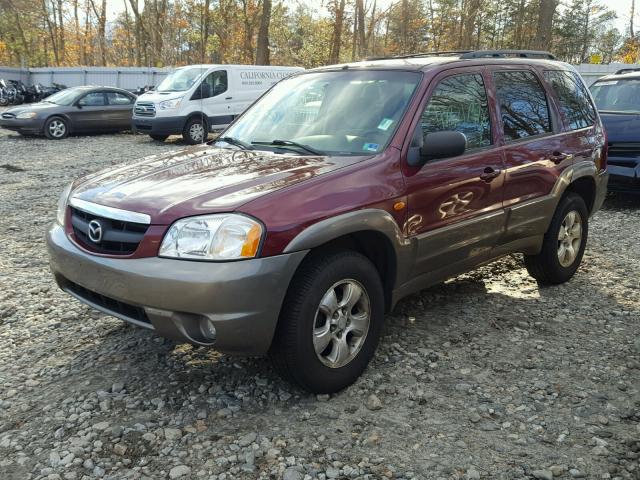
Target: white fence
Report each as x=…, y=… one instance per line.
x=134, y=77
x=124, y=77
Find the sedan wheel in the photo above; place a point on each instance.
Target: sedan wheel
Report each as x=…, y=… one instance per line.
x=55, y=129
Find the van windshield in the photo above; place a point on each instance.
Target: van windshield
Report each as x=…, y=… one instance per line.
x=349, y=112
x=180, y=80
x=617, y=96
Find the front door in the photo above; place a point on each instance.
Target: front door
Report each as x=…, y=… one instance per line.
x=216, y=101
x=455, y=204
x=88, y=116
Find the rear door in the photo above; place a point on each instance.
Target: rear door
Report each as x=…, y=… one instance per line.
x=88, y=113
x=119, y=110
x=535, y=149
x=455, y=204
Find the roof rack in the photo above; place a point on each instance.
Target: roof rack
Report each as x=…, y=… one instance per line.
x=468, y=54
x=622, y=71
x=422, y=54
x=508, y=53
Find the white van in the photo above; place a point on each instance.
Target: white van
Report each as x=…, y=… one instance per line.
x=196, y=99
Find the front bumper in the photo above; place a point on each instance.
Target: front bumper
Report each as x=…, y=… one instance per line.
x=180, y=298
x=625, y=177
x=158, y=125
x=28, y=125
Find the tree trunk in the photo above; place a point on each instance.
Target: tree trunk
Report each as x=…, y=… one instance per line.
x=633, y=12
x=546, y=11
x=262, y=53
x=334, y=55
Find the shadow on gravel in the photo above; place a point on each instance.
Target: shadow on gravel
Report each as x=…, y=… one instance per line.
x=622, y=201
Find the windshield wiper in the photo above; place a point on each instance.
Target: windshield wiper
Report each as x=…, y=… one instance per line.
x=235, y=142
x=289, y=143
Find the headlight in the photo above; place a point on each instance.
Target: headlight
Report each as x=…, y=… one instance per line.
x=62, y=204
x=27, y=115
x=213, y=237
x=169, y=104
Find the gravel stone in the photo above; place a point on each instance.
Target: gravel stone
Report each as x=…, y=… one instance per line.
x=488, y=369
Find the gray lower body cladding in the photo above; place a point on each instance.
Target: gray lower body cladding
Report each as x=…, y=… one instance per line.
x=232, y=306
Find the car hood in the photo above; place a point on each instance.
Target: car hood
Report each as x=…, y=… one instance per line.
x=200, y=180
x=32, y=107
x=622, y=127
x=157, y=97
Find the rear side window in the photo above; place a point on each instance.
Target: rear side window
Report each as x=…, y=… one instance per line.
x=93, y=99
x=117, y=98
x=460, y=103
x=573, y=98
x=523, y=105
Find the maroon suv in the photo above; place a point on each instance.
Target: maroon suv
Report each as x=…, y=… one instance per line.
x=340, y=191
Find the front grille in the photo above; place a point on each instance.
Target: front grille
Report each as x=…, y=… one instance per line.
x=624, y=154
x=8, y=115
x=144, y=109
x=118, y=237
x=108, y=303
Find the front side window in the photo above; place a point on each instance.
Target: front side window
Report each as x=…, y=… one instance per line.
x=523, y=104
x=617, y=96
x=460, y=103
x=350, y=112
x=573, y=98
x=116, y=98
x=93, y=99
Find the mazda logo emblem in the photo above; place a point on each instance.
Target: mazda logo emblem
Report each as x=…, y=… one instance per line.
x=95, y=231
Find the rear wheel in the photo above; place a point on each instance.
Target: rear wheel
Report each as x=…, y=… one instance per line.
x=159, y=138
x=195, y=131
x=56, y=128
x=564, y=243
x=330, y=322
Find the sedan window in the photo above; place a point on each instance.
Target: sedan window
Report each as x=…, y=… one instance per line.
x=93, y=99
x=117, y=98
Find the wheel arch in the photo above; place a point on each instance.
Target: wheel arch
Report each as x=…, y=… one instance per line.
x=371, y=232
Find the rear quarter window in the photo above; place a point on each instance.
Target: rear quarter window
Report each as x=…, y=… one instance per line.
x=573, y=98
x=523, y=104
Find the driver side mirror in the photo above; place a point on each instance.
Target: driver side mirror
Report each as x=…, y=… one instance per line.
x=434, y=145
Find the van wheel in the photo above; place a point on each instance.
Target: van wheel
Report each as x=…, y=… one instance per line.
x=330, y=322
x=195, y=131
x=56, y=128
x=159, y=138
x=564, y=243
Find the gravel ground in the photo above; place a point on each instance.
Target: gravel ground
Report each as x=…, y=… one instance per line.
x=484, y=376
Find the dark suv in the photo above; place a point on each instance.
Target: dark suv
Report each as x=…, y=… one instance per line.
x=340, y=191
x=617, y=97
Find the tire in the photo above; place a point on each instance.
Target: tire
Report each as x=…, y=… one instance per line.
x=159, y=138
x=195, y=131
x=56, y=128
x=305, y=324
x=556, y=263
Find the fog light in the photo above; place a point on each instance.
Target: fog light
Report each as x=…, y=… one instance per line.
x=208, y=328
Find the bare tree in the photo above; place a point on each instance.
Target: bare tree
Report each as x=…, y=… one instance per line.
x=546, y=11
x=336, y=39
x=262, y=53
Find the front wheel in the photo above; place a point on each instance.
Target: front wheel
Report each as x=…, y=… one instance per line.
x=330, y=322
x=564, y=243
x=56, y=128
x=195, y=131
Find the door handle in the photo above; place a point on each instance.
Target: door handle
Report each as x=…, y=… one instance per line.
x=228, y=98
x=558, y=157
x=490, y=173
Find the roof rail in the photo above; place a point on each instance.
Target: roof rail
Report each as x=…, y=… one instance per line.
x=422, y=54
x=622, y=71
x=508, y=53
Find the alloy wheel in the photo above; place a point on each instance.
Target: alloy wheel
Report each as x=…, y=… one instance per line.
x=341, y=324
x=569, y=238
x=57, y=128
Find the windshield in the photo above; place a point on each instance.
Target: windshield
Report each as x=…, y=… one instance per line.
x=64, y=97
x=336, y=113
x=621, y=96
x=180, y=80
